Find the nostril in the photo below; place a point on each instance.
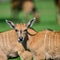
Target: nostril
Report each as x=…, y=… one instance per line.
x=20, y=39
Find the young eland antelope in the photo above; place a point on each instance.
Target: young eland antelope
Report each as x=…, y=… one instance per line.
x=45, y=44
x=10, y=41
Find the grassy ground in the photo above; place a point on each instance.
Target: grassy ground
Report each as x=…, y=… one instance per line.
x=47, y=13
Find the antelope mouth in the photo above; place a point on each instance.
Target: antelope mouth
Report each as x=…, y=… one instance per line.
x=13, y=55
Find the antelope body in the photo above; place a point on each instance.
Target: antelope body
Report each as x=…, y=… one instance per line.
x=10, y=42
x=45, y=44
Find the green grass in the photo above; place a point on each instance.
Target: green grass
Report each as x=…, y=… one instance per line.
x=15, y=59
x=47, y=13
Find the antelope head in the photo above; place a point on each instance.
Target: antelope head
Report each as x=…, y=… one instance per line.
x=21, y=29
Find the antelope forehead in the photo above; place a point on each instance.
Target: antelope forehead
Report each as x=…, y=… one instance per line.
x=20, y=27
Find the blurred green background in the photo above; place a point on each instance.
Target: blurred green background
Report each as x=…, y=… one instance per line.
x=47, y=14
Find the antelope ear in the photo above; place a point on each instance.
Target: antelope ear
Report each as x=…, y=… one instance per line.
x=10, y=23
x=30, y=23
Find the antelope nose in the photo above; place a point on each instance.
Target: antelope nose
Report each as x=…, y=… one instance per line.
x=20, y=39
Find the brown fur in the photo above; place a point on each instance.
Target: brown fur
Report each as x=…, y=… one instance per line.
x=45, y=44
x=9, y=44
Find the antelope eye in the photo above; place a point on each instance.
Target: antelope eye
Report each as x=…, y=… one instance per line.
x=16, y=30
x=25, y=30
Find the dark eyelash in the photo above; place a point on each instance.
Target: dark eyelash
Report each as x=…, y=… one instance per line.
x=25, y=30
x=16, y=30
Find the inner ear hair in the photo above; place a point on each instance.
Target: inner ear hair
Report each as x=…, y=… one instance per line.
x=13, y=26
x=10, y=23
x=30, y=23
